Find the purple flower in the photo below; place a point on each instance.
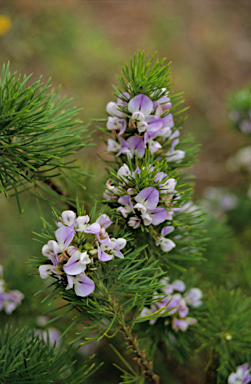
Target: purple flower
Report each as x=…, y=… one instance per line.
x=126, y=202
x=115, y=123
x=169, y=186
x=136, y=144
x=108, y=195
x=113, y=146
x=147, y=201
x=176, y=302
x=167, y=124
x=102, y=255
x=83, y=285
x=242, y=375
x=140, y=103
x=104, y=221
x=149, y=136
x=111, y=108
x=120, y=243
x=165, y=244
x=77, y=263
x=94, y=228
x=113, y=246
x=134, y=222
x=177, y=285
x=169, y=302
x=45, y=270
x=183, y=309
x=64, y=236
x=175, y=155
x=165, y=103
x=179, y=324
x=157, y=110
x=16, y=296
x=148, y=198
x=9, y=306
x=68, y=218
x=154, y=146
x=193, y=297
x=51, y=249
x=154, y=123
x=124, y=148
x=82, y=223
x=124, y=171
x=9, y=301
x=166, y=230
x=168, y=121
x=158, y=215
x=174, y=135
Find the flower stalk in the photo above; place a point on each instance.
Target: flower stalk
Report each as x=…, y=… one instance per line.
x=133, y=344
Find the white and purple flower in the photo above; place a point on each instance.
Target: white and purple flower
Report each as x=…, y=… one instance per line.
x=9, y=300
x=148, y=207
x=79, y=246
x=241, y=376
x=176, y=303
x=142, y=124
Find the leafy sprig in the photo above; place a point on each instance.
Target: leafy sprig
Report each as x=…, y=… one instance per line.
x=25, y=357
x=36, y=134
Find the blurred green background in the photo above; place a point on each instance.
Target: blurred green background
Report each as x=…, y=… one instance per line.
x=82, y=45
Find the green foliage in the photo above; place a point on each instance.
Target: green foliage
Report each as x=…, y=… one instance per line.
x=36, y=134
x=226, y=329
x=221, y=246
x=140, y=77
x=25, y=357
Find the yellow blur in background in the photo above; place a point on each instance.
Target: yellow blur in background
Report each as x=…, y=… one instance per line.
x=5, y=24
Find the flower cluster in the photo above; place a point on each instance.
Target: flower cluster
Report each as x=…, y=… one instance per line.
x=174, y=301
x=8, y=300
x=140, y=123
x=149, y=206
x=241, y=376
x=79, y=247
